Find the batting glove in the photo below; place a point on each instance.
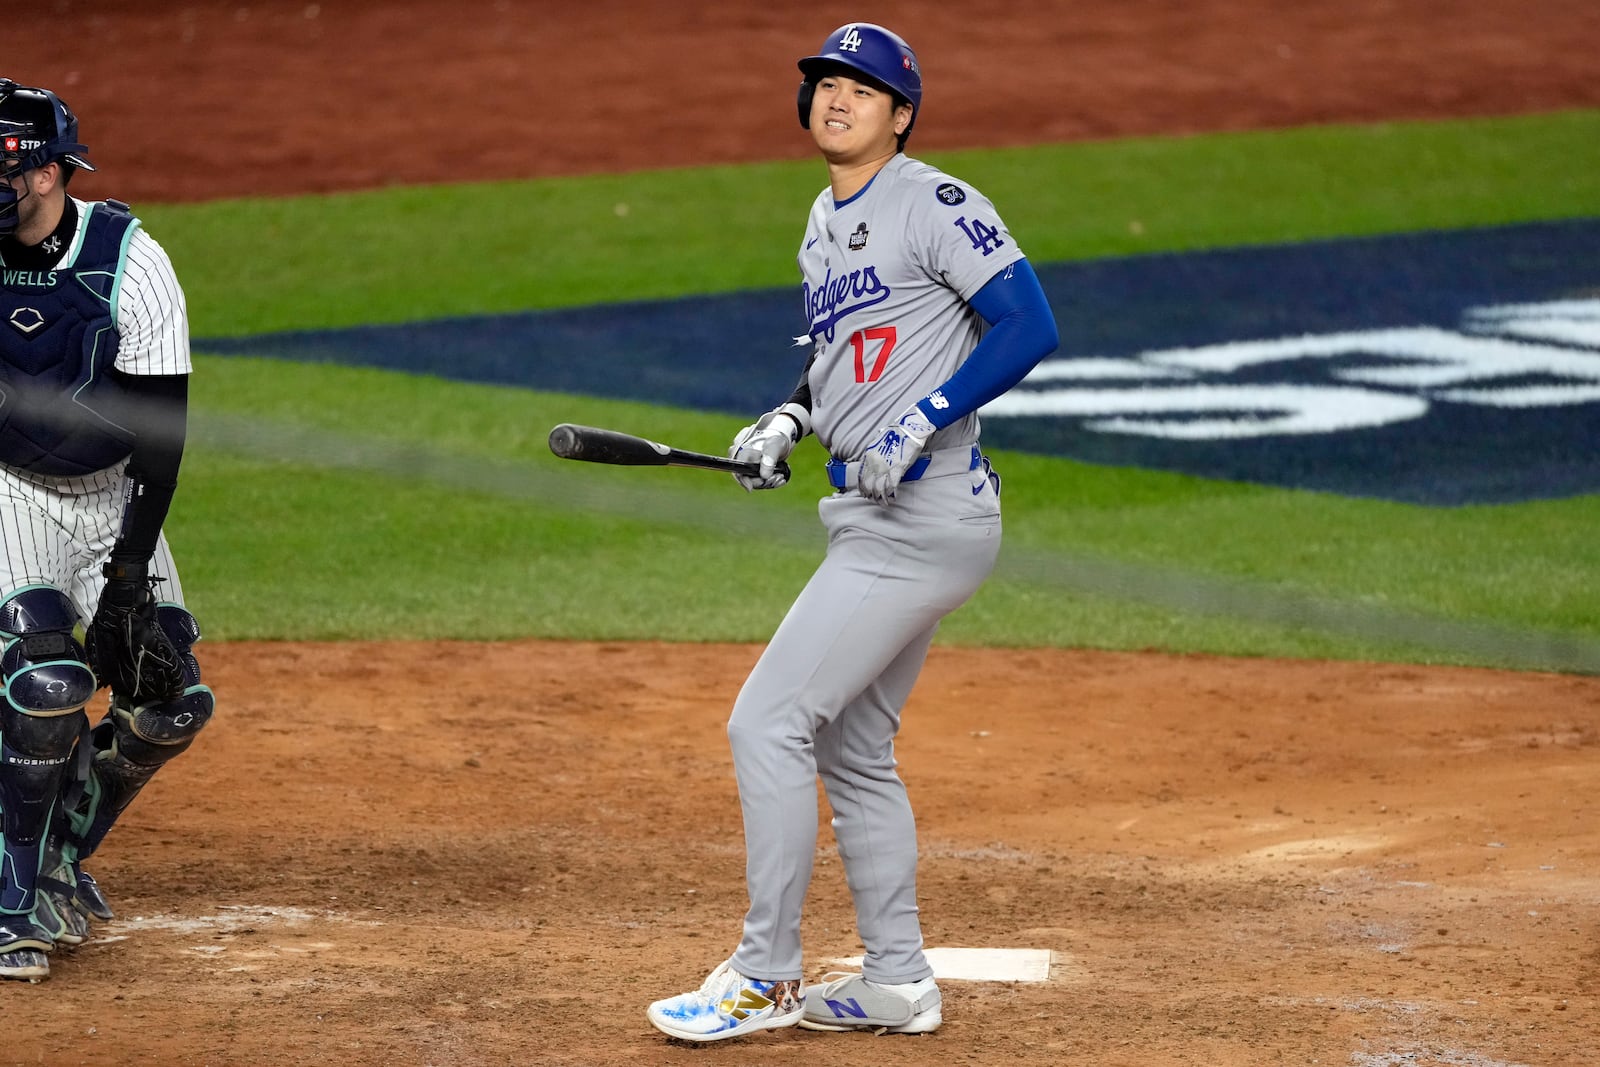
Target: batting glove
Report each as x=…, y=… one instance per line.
x=893, y=452
x=769, y=440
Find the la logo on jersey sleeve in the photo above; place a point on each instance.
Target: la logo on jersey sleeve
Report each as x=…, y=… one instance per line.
x=985, y=237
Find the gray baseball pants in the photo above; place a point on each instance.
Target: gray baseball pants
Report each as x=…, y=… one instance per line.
x=825, y=700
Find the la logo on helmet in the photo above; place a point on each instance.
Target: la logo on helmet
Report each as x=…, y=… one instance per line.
x=851, y=41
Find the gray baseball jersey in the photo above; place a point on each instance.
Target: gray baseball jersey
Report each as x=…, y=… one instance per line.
x=58, y=530
x=887, y=276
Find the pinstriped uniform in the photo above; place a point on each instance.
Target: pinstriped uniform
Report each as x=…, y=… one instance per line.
x=58, y=531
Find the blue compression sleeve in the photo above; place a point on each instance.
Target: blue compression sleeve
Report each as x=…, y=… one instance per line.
x=1022, y=331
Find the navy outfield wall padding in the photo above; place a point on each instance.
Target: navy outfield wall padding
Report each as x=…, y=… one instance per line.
x=733, y=353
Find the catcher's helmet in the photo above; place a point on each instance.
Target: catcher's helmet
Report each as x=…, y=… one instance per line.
x=37, y=127
x=872, y=52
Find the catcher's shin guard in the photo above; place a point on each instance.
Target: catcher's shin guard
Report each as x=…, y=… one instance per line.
x=47, y=682
x=133, y=741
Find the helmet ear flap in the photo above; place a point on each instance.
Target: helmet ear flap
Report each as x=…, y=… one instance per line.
x=808, y=89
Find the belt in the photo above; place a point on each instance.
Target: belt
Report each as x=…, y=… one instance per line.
x=842, y=475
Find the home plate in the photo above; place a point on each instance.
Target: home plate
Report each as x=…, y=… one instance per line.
x=982, y=964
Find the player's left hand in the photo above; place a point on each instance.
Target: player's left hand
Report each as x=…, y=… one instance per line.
x=892, y=453
x=127, y=648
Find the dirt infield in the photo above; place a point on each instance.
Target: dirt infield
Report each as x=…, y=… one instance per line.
x=486, y=854
x=502, y=858
x=184, y=101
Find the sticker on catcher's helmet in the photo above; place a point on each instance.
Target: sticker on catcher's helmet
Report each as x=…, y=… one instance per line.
x=950, y=194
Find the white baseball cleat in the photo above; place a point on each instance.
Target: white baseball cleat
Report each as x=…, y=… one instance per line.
x=849, y=1002
x=728, y=1004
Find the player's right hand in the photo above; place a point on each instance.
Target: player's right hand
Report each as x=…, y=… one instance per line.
x=768, y=440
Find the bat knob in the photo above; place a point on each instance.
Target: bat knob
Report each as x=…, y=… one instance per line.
x=564, y=441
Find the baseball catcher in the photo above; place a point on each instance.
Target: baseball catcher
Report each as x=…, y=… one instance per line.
x=94, y=342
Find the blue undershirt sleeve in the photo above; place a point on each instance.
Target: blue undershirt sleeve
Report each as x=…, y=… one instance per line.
x=1022, y=331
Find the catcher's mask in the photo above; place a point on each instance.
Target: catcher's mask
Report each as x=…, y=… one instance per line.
x=36, y=127
x=871, y=53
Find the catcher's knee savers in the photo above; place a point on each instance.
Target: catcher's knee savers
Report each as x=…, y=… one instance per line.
x=46, y=673
x=47, y=683
x=132, y=742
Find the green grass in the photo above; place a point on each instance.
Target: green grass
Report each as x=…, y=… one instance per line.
x=399, y=506
x=415, y=253
x=332, y=502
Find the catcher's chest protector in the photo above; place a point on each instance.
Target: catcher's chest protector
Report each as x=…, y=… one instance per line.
x=58, y=342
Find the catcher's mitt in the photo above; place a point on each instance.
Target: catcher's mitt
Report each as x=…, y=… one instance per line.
x=127, y=648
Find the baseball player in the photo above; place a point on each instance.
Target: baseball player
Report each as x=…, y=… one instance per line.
x=921, y=309
x=94, y=348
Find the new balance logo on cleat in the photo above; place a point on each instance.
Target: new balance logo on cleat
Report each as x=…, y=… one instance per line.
x=749, y=1000
x=843, y=1008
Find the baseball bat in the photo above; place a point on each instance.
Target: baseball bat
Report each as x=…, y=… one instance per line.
x=595, y=445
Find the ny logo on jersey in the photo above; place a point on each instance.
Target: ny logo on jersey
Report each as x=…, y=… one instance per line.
x=851, y=41
x=984, y=238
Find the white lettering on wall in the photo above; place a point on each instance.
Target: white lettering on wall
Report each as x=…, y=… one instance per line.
x=1506, y=356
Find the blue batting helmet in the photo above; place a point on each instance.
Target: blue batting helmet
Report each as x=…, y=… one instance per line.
x=872, y=52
